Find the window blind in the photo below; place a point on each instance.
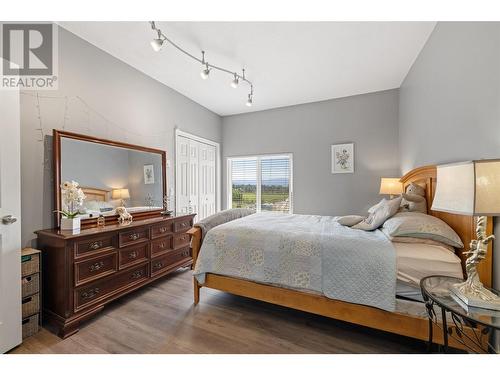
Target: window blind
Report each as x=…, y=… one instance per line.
x=262, y=183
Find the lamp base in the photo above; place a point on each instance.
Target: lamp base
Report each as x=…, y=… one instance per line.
x=482, y=298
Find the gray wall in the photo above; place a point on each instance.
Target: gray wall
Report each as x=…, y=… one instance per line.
x=101, y=96
x=449, y=108
x=308, y=131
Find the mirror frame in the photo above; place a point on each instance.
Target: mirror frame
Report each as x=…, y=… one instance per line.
x=92, y=222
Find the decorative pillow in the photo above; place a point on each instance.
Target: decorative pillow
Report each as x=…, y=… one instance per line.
x=415, y=224
x=373, y=208
x=384, y=211
x=350, y=220
x=424, y=241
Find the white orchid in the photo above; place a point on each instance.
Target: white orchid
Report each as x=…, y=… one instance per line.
x=72, y=198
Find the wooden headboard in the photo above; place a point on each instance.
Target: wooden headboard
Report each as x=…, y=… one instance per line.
x=94, y=194
x=463, y=225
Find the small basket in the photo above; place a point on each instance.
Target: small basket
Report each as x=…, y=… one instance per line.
x=30, y=262
x=30, y=284
x=31, y=305
x=30, y=326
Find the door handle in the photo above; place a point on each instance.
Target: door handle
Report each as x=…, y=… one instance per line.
x=8, y=219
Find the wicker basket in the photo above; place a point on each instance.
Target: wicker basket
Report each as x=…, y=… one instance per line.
x=30, y=326
x=30, y=284
x=31, y=305
x=30, y=262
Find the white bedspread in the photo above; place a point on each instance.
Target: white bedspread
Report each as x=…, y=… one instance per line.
x=304, y=252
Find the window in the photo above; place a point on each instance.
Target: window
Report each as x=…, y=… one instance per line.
x=262, y=183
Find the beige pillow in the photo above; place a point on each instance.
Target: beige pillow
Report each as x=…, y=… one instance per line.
x=415, y=224
x=350, y=220
x=425, y=241
x=384, y=211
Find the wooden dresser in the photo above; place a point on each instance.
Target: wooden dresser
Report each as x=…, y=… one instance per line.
x=85, y=271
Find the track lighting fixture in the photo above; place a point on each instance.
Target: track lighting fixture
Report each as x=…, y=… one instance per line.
x=158, y=43
x=249, y=101
x=235, y=81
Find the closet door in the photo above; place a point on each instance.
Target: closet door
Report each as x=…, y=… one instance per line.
x=207, y=180
x=182, y=187
x=194, y=194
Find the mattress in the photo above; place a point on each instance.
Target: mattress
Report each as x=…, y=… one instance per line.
x=416, y=261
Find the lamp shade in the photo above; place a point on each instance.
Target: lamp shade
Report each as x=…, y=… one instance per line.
x=468, y=188
x=120, y=194
x=390, y=186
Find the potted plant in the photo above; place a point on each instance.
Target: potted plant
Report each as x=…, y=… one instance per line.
x=72, y=198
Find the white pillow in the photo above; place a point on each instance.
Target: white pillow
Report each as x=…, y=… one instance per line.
x=350, y=220
x=373, y=208
x=384, y=211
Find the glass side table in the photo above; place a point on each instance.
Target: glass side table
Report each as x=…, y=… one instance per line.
x=471, y=327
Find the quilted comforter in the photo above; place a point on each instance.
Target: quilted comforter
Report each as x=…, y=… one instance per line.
x=304, y=252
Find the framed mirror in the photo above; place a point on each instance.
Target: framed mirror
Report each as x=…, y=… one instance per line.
x=110, y=174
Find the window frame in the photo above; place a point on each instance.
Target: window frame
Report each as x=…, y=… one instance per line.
x=258, y=157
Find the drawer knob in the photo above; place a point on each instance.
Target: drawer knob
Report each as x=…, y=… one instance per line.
x=161, y=245
x=133, y=255
x=133, y=236
x=183, y=225
x=137, y=275
x=163, y=229
x=95, y=245
x=91, y=293
x=96, y=266
x=158, y=265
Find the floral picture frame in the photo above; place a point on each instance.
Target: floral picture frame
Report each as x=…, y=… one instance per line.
x=149, y=174
x=343, y=158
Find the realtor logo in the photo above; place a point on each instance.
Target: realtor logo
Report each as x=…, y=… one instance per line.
x=29, y=56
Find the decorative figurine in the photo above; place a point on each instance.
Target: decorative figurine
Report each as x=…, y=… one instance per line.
x=166, y=211
x=101, y=221
x=124, y=218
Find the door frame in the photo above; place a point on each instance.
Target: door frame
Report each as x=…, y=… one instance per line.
x=194, y=137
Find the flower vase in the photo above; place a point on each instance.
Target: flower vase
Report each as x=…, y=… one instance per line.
x=70, y=224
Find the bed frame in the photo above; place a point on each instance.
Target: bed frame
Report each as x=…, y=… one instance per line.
x=402, y=322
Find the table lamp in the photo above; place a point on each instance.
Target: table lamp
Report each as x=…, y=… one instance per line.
x=471, y=188
x=121, y=194
x=390, y=186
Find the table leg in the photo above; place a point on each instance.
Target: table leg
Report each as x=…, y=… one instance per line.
x=429, y=342
x=445, y=330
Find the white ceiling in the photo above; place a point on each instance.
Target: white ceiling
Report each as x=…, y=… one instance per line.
x=288, y=63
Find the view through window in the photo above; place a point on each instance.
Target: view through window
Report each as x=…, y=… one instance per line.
x=261, y=183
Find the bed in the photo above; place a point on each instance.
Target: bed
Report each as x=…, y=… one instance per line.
x=406, y=317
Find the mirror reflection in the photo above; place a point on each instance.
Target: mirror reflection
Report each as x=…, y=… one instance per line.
x=112, y=176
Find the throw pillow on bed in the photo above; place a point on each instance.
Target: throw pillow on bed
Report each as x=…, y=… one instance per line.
x=350, y=220
x=415, y=224
x=384, y=211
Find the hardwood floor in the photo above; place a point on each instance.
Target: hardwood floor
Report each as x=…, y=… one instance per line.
x=161, y=318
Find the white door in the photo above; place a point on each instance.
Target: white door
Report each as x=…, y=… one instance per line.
x=182, y=175
x=196, y=175
x=193, y=178
x=10, y=224
x=207, y=180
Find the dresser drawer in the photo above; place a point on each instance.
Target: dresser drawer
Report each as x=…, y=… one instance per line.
x=181, y=240
x=94, y=245
x=129, y=256
x=165, y=262
x=100, y=290
x=182, y=225
x=162, y=229
x=95, y=268
x=161, y=245
x=135, y=236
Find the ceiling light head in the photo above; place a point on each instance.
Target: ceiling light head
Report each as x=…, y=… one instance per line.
x=235, y=81
x=250, y=100
x=157, y=43
x=205, y=72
